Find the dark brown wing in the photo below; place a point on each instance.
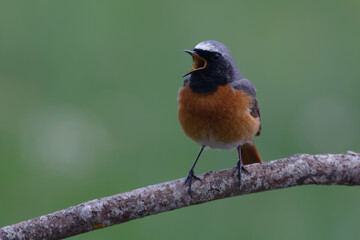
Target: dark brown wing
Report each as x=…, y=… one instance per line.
x=246, y=86
x=255, y=112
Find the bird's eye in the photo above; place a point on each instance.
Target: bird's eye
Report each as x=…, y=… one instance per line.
x=216, y=56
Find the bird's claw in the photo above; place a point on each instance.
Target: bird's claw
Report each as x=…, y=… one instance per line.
x=244, y=170
x=189, y=179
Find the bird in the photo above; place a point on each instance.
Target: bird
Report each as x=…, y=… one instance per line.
x=217, y=107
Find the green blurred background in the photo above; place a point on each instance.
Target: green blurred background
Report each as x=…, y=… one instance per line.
x=88, y=109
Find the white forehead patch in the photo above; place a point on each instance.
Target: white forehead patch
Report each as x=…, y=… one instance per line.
x=207, y=46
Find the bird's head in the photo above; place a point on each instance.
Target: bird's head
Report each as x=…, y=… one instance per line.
x=212, y=65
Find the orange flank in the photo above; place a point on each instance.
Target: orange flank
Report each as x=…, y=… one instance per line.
x=218, y=119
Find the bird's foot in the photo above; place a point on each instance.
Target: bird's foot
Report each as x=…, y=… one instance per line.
x=189, y=179
x=239, y=168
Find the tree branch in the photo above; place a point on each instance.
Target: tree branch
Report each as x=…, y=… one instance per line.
x=299, y=169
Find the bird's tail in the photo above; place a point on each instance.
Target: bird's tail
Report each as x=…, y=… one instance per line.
x=249, y=154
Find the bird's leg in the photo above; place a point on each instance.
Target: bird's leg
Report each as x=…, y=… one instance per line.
x=239, y=167
x=191, y=175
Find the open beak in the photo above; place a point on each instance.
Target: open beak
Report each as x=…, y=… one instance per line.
x=199, y=62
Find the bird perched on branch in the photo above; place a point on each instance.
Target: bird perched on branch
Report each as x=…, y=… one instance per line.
x=217, y=106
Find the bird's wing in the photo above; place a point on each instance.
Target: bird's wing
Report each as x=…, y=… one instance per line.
x=246, y=86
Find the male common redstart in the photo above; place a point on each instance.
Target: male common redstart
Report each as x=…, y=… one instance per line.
x=217, y=106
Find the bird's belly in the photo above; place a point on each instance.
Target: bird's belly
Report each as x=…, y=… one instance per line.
x=220, y=119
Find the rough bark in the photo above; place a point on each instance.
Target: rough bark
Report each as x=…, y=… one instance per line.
x=299, y=169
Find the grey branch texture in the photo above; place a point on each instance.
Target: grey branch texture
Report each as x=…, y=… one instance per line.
x=299, y=169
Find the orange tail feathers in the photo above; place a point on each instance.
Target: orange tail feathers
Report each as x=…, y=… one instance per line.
x=249, y=154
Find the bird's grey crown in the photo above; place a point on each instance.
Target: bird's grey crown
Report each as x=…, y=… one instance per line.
x=213, y=46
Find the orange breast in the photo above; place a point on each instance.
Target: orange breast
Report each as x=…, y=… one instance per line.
x=218, y=118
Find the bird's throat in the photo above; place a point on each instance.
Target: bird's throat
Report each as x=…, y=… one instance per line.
x=200, y=83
